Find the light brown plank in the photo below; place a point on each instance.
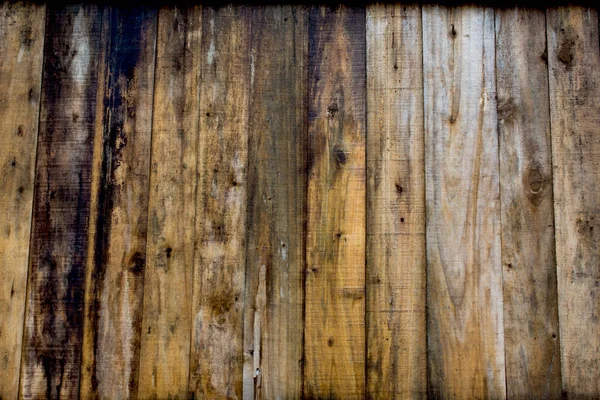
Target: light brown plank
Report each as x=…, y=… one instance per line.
x=219, y=264
x=54, y=317
x=21, y=49
x=335, y=254
x=275, y=260
x=118, y=224
x=166, y=328
x=574, y=69
x=528, y=258
x=396, y=323
x=464, y=271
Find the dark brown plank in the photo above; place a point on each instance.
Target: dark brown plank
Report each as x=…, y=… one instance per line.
x=118, y=223
x=54, y=318
x=335, y=255
x=273, y=328
x=219, y=267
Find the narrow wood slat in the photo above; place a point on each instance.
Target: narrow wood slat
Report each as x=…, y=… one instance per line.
x=166, y=328
x=335, y=255
x=528, y=257
x=574, y=62
x=275, y=259
x=21, y=53
x=396, y=323
x=220, y=255
x=464, y=271
x=118, y=223
x=54, y=318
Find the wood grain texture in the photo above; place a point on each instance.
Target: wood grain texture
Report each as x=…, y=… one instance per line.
x=118, y=224
x=528, y=258
x=396, y=323
x=335, y=254
x=464, y=271
x=166, y=328
x=574, y=70
x=21, y=49
x=219, y=267
x=275, y=259
x=54, y=318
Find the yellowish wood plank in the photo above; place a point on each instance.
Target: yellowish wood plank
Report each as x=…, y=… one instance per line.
x=335, y=254
x=396, y=324
x=166, y=328
x=464, y=272
x=21, y=54
x=219, y=266
x=275, y=260
x=574, y=70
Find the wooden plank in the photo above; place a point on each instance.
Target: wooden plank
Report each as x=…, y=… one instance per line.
x=54, y=317
x=118, y=224
x=574, y=63
x=396, y=323
x=164, y=365
x=464, y=271
x=528, y=258
x=21, y=46
x=335, y=254
x=275, y=259
x=219, y=264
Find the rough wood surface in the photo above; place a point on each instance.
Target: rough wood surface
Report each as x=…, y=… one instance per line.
x=219, y=267
x=166, y=328
x=464, y=271
x=574, y=70
x=118, y=223
x=396, y=326
x=54, y=318
x=275, y=260
x=335, y=254
x=528, y=259
x=21, y=50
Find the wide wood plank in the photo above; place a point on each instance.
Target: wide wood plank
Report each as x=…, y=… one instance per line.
x=396, y=324
x=220, y=255
x=574, y=69
x=54, y=319
x=528, y=258
x=118, y=223
x=275, y=259
x=21, y=49
x=464, y=271
x=166, y=328
x=335, y=254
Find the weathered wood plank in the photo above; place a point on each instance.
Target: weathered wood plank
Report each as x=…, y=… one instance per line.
x=464, y=271
x=21, y=49
x=118, y=223
x=335, y=255
x=220, y=256
x=54, y=317
x=396, y=323
x=528, y=258
x=166, y=329
x=275, y=259
x=574, y=70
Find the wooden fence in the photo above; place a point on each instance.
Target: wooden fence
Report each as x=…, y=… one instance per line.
x=280, y=202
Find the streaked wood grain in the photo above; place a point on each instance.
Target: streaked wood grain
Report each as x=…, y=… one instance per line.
x=21, y=53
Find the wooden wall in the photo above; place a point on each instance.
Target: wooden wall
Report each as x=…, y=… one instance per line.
x=285, y=202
